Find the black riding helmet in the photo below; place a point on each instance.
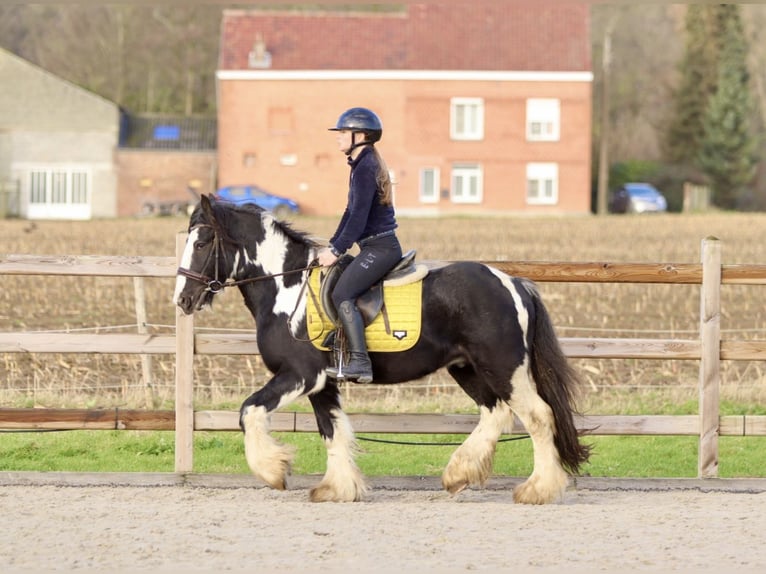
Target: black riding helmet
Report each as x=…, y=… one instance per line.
x=360, y=120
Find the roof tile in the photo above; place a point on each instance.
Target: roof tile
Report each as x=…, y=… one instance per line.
x=483, y=35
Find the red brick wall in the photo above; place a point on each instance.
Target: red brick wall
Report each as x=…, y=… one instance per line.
x=274, y=133
x=151, y=176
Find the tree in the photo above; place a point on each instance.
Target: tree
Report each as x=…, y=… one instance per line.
x=727, y=151
x=146, y=59
x=685, y=131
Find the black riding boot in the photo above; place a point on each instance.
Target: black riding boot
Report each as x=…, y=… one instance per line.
x=359, y=367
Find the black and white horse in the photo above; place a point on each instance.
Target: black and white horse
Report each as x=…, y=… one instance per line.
x=491, y=332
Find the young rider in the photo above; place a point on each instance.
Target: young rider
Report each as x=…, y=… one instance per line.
x=368, y=220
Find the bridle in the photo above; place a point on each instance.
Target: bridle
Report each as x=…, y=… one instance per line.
x=215, y=285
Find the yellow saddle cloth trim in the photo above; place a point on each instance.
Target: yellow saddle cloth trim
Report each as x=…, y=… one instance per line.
x=403, y=305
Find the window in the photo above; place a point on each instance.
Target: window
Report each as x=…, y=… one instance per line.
x=542, y=183
x=37, y=187
x=467, y=119
x=58, y=186
x=543, y=119
x=429, y=185
x=466, y=183
x=79, y=187
x=57, y=192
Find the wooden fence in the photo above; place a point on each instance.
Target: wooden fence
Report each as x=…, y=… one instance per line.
x=709, y=349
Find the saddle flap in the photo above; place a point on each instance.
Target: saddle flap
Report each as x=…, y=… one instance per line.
x=327, y=284
x=371, y=301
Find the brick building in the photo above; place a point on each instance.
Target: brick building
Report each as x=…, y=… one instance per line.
x=164, y=162
x=486, y=106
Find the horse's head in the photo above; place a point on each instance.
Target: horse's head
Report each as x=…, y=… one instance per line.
x=207, y=260
x=231, y=245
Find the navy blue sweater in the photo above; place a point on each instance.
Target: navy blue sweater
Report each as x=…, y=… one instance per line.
x=364, y=216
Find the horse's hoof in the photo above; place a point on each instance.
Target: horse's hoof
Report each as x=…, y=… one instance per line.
x=529, y=492
x=455, y=488
x=275, y=483
x=323, y=493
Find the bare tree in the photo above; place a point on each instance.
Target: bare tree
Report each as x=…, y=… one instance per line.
x=147, y=59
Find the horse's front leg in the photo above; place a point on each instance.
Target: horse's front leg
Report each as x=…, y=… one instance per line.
x=268, y=459
x=343, y=481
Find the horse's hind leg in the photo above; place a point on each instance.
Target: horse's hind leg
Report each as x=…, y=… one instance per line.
x=343, y=481
x=548, y=479
x=472, y=462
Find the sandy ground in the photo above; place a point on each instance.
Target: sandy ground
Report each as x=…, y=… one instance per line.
x=404, y=525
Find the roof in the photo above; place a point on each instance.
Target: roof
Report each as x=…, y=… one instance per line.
x=168, y=133
x=483, y=35
x=34, y=99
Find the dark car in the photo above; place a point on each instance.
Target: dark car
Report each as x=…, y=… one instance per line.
x=638, y=198
x=239, y=194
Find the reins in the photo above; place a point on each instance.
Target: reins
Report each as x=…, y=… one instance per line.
x=214, y=285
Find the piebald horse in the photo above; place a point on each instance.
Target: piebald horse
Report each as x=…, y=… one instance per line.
x=489, y=330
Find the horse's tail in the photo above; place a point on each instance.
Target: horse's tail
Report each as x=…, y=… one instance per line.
x=557, y=383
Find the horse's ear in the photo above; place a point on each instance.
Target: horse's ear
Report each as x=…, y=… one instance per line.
x=207, y=207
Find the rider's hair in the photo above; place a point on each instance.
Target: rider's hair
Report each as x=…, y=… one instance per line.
x=383, y=178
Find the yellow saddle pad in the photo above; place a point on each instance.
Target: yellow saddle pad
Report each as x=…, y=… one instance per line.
x=402, y=307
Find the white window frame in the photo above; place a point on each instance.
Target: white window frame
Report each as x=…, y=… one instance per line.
x=542, y=183
x=466, y=119
x=430, y=181
x=58, y=192
x=468, y=176
x=543, y=119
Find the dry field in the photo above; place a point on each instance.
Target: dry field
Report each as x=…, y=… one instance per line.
x=97, y=304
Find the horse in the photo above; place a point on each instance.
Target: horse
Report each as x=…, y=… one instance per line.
x=491, y=332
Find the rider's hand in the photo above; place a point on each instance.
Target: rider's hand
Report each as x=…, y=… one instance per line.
x=326, y=257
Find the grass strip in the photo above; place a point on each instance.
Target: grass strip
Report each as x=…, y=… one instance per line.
x=223, y=452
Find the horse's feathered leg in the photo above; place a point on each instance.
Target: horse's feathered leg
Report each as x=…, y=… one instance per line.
x=472, y=462
x=543, y=398
x=343, y=481
x=268, y=459
x=548, y=479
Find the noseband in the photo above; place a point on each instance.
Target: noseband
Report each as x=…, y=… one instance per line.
x=215, y=285
x=212, y=284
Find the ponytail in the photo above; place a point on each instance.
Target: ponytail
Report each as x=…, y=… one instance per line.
x=383, y=179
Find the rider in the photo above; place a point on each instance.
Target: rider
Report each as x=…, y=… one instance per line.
x=368, y=220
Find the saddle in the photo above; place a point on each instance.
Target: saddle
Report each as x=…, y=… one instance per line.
x=370, y=302
x=390, y=309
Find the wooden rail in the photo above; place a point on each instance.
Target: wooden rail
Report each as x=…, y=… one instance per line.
x=413, y=423
x=709, y=349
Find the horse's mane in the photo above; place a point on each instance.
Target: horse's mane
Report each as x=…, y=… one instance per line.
x=226, y=212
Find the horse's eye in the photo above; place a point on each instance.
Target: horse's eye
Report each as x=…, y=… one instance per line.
x=199, y=245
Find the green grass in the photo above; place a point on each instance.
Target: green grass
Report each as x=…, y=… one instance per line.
x=223, y=452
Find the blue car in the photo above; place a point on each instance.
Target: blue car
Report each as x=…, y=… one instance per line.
x=638, y=198
x=281, y=207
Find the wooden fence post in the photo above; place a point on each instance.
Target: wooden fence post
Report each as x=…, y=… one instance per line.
x=139, y=294
x=710, y=360
x=184, y=407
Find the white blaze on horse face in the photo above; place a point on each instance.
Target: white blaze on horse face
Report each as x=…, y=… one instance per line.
x=186, y=260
